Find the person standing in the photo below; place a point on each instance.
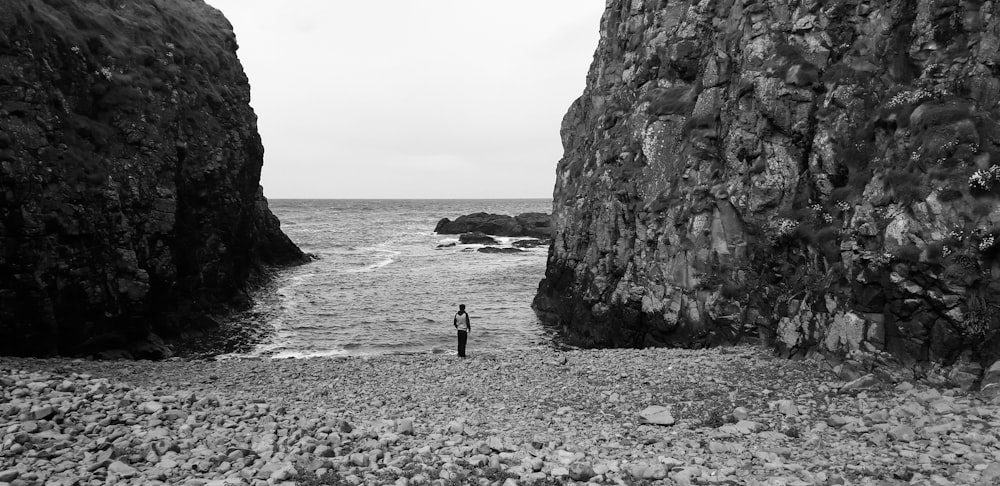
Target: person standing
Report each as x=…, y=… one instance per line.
x=464, y=324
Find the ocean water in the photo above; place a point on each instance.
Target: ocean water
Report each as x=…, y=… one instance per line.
x=381, y=283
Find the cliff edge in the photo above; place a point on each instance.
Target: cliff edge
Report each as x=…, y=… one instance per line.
x=819, y=174
x=130, y=203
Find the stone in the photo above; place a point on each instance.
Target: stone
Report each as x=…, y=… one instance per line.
x=866, y=382
x=121, y=469
x=990, y=474
x=926, y=396
x=8, y=475
x=787, y=408
x=405, y=426
x=581, y=472
x=990, y=392
x=903, y=433
x=456, y=427
x=741, y=413
x=150, y=407
x=742, y=427
x=359, y=460
x=846, y=333
x=495, y=444
x=964, y=375
x=657, y=415
x=685, y=476
x=324, y=451
x=285, y=472
x=989, y=387
x=44, y=412
x=648, y=471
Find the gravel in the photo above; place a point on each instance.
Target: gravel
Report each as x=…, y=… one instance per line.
x=737, y=415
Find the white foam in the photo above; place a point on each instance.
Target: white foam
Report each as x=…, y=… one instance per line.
x=379, y=264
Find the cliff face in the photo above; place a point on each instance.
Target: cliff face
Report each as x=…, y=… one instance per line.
x=129, y=172
x=822, y=174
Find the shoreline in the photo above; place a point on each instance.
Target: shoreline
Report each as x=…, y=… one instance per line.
x=530, y=416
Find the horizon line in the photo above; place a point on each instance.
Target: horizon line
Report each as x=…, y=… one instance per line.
x=405, y=198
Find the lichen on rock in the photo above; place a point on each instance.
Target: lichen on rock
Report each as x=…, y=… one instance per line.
x=818, y=175
x=130, y=203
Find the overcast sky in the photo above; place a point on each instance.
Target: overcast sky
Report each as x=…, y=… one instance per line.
x=412, y=98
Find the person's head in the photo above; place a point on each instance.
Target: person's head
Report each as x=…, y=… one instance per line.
x=461, y=307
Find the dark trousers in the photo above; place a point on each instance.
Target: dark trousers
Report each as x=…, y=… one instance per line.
x=463, y=336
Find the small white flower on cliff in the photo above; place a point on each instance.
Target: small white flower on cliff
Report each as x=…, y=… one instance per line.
x=843, y=205
x=882, y=259
x=105, y=72
x=946, y=250
x=984, y=179
x=780, y=228
x=986, y=244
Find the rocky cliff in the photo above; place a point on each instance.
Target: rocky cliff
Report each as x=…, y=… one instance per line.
x=821, y=174
x=129, y=172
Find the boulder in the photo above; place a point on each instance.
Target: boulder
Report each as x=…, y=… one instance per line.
x=990, y=385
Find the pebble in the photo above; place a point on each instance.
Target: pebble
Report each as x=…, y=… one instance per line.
x=529, y=416
x=657, y=415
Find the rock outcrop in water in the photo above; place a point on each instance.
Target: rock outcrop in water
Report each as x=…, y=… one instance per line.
x=536, y=225
x=129, y=174
x=821, y=174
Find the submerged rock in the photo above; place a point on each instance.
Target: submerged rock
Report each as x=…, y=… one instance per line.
x=493, y=249
x=129, y=169
x=532, y=243
x=476, y=238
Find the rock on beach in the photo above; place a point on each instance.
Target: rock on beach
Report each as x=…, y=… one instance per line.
x=739, y=416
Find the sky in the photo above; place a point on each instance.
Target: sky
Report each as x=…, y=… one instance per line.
x=412, y=98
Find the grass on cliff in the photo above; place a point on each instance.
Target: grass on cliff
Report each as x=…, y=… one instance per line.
x=105, y=31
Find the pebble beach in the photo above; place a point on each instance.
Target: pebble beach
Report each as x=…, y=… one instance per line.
x=734, y=415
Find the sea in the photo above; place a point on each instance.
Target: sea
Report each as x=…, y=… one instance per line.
x=383, y=282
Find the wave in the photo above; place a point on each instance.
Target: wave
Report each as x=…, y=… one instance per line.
x=393, y=255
